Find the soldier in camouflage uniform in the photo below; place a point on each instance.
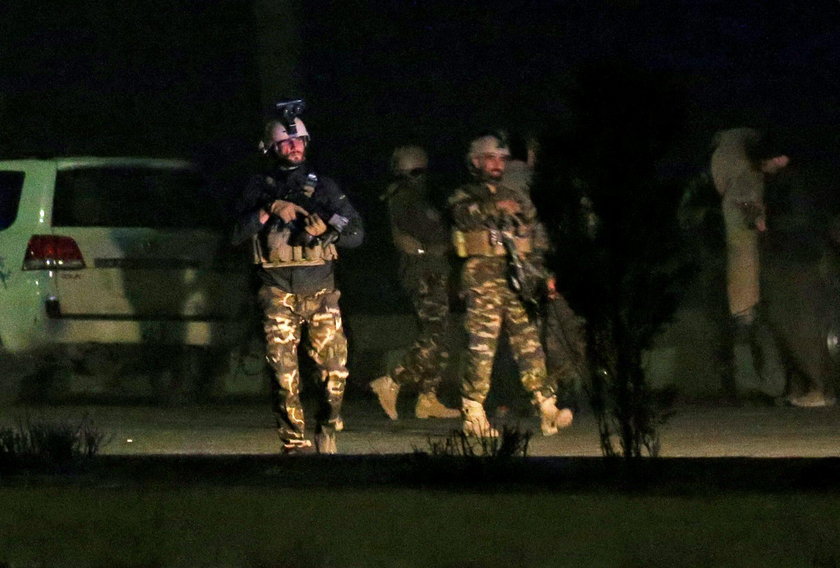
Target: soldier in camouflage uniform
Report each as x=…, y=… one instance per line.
x=422, y=241
x=296, y=220
x=486, y=215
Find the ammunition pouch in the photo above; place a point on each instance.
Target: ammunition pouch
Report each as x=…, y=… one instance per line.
x=487, y=242
x=272, y=250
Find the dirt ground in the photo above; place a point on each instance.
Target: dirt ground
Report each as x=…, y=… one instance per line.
x=247, y=427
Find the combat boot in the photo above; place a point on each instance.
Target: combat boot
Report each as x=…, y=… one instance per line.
x=296, y=447
x=325, y=443
x=386, y=390
x=475, y=420
x=552, y=419
x=428, y=406
x=813, y=399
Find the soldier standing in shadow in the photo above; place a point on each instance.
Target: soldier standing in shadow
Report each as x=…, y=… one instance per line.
x=741, y=161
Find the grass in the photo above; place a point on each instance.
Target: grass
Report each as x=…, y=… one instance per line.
x=463, y=503
x=320, y=527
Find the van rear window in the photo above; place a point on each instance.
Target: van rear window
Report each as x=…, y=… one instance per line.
x=133, y=197
x=11, y=186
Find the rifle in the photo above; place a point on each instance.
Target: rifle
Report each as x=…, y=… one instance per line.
x=303, y=198
x=524, y=278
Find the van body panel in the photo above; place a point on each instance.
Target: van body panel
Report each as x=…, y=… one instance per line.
x=172, y=280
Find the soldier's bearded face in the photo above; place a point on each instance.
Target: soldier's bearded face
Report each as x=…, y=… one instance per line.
x=490, y=166
x=292, y=150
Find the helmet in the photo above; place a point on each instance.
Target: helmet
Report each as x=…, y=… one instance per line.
x=277, y=131
x=281, y=130
x=488, y=144
x=408, y=159
x=491, y=143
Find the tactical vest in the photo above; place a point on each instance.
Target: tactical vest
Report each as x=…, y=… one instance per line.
x=487, y=242
x=274, y=251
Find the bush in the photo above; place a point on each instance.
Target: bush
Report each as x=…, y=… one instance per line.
x=619, y=254
x=511, y=442
x=37, y=443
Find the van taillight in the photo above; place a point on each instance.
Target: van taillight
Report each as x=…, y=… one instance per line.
x=52, y=253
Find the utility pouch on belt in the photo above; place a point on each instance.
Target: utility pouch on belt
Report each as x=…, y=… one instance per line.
x=274, y=251
x=486, y=242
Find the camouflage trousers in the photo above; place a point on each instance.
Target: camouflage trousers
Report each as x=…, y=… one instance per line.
x=424, y=362
x=491, y=304
x=285, y=315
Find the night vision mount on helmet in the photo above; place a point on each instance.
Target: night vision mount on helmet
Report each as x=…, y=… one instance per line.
x=287, y=112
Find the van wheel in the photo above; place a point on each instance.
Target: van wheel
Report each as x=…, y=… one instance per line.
x=98, y=369
x=188, y=374
x=47, y=380
x=98, y=360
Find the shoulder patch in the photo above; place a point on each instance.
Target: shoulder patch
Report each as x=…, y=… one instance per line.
x=310, y=184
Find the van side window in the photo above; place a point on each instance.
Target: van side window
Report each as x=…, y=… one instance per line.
x=11, y=186
x=132, y=197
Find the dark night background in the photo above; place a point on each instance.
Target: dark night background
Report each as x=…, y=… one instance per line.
x=192, y=78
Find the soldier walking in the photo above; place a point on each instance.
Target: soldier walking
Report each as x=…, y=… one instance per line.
x=494, y=225
x=297, y=220
x=421, y=238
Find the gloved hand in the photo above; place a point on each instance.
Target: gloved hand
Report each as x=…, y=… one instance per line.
x=315, y=226
x=286, y=210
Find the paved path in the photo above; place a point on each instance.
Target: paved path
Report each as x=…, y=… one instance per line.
x=247, y=428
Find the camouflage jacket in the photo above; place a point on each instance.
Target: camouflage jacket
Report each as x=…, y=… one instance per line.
x=420, y=234
x=473, y=208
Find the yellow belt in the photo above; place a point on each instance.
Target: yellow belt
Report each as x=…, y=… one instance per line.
x=486, y=243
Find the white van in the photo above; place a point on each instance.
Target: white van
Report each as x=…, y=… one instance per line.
x=99, y=252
